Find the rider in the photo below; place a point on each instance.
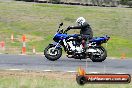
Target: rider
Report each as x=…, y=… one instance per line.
x=86, y=30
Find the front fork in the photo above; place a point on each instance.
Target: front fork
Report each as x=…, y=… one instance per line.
x=57, y=44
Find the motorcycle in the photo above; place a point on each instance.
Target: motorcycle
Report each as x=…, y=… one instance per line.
x=73, y=46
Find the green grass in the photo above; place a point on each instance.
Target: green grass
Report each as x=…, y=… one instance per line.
x=44, y=82
x=40, y=21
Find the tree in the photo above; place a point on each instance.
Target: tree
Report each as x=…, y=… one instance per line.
x=129, y=3
x=124, y=2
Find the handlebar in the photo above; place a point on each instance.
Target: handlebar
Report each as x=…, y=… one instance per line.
x=61, y=30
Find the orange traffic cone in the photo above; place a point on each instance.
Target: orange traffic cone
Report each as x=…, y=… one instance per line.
x=2, y=45
x=12, y=37
x=23, y=38
x=24, y=48
x=34, y=51
x=123, y=56
x=24, y=44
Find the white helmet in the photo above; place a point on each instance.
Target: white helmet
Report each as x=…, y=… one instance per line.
x=80, y=21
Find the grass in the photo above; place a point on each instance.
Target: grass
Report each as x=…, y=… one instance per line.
x=42, y=82
x=40, y=21
x=35, y=81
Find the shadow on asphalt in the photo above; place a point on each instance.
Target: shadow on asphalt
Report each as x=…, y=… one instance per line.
x=74, y=60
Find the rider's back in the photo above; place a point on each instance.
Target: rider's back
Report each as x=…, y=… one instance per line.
x=86, y=30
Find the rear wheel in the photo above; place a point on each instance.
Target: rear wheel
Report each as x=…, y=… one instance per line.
x=52, y=53
x=100, y=55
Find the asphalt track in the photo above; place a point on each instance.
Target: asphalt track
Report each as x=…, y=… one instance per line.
x=40, y=63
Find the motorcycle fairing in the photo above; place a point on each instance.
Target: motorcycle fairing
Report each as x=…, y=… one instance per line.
x=100, y=39
x=55, y=43
x=60, y=36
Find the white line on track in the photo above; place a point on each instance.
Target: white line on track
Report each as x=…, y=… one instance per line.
x=48, y=70
x=71, y=71
x=62, y=71
x=14, y=69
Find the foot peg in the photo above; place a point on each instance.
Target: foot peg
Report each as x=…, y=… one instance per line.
x=69, y=56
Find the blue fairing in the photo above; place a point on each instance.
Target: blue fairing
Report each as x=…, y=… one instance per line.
x=60, y=36
x=55, y=43
x=99, y=39
x=74, y=35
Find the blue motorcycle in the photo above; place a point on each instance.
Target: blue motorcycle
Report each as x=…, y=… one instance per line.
x=73, y=46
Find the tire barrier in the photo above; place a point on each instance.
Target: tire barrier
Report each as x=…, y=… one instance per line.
x=114, y=3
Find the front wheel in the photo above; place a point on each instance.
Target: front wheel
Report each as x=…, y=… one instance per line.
x=52, y=53
x=100, y=55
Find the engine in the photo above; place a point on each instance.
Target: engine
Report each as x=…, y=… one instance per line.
x=74, y=46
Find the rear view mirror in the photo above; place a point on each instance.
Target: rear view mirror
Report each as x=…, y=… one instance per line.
x=61, y=24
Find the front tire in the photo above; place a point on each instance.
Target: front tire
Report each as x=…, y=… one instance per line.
x=51, y=53
x=101, y=57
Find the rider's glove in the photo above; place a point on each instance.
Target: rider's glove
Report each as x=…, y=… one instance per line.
x=67, y=29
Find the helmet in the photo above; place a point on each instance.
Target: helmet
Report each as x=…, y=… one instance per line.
x=80, y=21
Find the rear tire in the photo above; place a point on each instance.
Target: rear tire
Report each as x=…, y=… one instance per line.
x=51, y=53
x=101, y=57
